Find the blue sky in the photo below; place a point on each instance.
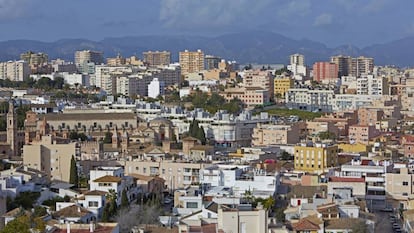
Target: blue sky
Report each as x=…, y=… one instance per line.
x=333, y=22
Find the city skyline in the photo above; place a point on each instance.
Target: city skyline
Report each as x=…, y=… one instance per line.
x=334, y=23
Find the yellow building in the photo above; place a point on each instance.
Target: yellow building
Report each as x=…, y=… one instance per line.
x=282, y=85
x=315, y=157
x=191, y=61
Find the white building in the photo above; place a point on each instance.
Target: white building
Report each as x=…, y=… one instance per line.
x=368, y=84
x=310, y=100
x=155, y=88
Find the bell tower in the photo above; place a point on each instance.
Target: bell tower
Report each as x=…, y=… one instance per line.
x=12, y=129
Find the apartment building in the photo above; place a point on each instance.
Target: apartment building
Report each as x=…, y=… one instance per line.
x=51, y=158
x=374, y=173
x=297, y=59
x=157, y=58
x=212, y=62
x=14, y=70
x=191, y=61
x=271, y=134
x=250, y=96
x=310, y=100
x=34, y=59
x=369, y=116
x=86, y=60
x=177, y=174
x=116, y=61
x=315, y=157
x=281, y=85
x=325, y=72
x=259, y=79
x=240, y=220
x=362, y=133
x=399, y=183
x=353, y=66
x=368, y=84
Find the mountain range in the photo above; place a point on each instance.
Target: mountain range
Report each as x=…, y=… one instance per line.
x=245, y=47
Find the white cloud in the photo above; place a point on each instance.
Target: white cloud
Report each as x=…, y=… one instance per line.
x=323, y=20
x=209, y=13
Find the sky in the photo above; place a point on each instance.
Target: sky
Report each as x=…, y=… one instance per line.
x=333, y=22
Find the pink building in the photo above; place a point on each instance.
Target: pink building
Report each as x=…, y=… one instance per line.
x=251, y=96
x=362, y=133
x=325, y=72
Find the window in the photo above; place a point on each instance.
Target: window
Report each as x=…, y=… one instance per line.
x=93, y=204
x=145, y=170
x=163, y=171
x=405, y=183
x=192, y=205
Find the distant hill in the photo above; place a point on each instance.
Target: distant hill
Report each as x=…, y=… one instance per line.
x=244, y=47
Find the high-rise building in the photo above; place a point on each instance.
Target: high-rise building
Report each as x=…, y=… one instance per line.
x=325, y=72
x=297, y=59
x=349, y=66
x=362, y=65
x=86, y=59
x=157, y=58
x=344, y=64
x=212, y=62
x=14, y=70
x=191, y=61
x=34, y=59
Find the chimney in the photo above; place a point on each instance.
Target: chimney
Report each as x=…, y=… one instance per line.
x=68, y=227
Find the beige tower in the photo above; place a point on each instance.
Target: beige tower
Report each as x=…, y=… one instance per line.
x=12, y=129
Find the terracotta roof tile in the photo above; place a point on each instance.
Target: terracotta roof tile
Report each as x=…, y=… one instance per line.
x=111, y=179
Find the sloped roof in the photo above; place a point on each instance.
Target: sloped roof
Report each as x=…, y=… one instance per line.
x=342, y=223
x=212, y=206
x=95, y=193
x=111, y=179
x=73, y=211
x=310, y=223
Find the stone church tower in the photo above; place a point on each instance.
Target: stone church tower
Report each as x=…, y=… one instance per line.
x=12, y=129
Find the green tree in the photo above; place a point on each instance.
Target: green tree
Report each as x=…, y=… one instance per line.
x=124, y=199
x=110, y=208
x=58, y=83
x=280, y=215
x=108, y=137
x=269, y=203
x=286, y=156
x=20, y=224
x=201, y=135
x=326, y=135
x=74, y=178
x=360, y=227
x=39, y=211
x=25, y=200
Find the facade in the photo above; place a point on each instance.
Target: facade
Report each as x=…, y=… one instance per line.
x=399, y=184
x=191, y=61
x=155, y=88
x=269, y=134
x=50, y=158
x=212, y=62
x=281, y=85
x=116, y=61
x=84, y=58
x=325, y=72
x=251, y=96
x=127, y=86
x=315, y=157
x=157, y=58
x=349, y=66
x=362, y=133
x=234, y=220
x=259, y=79
x=297, y=59
x=175, y=173
x=371, y=85
x=14, y=70
x=34, y=59
x=310, y=100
